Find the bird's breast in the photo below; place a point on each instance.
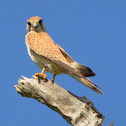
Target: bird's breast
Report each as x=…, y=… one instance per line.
x=42, y=61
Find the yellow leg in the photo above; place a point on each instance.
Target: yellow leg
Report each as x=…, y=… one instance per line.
x=42, y=73
x=53, y=78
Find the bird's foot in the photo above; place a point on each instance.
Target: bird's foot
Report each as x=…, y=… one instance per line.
x=41, y=74
x=53, y=78
x=52, y=81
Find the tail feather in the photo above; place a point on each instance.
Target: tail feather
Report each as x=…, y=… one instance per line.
x=85, y=81
x=85, y=71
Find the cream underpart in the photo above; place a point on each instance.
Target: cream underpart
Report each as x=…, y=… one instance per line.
x=41, y=62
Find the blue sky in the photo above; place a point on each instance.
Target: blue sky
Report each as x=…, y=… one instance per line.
x=93, y=32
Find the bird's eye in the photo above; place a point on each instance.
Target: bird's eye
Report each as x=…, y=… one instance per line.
x=40, y=21
x=29, y=23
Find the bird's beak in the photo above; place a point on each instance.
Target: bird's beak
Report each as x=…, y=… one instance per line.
x=35, y=25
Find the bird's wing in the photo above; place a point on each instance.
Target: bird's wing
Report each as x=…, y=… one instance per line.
x=43, y=45
x=85, y=71
x=66, y=55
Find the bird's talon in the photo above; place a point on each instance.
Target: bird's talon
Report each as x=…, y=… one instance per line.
x=53, y=78
x=40, y=74
x=52, y=81
x=44, y=76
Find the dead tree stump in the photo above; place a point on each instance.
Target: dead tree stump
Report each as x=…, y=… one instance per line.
x=77, y=111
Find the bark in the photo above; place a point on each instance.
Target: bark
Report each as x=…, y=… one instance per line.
x=77, y=111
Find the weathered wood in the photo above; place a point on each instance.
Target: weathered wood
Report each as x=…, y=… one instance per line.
x=77, y=111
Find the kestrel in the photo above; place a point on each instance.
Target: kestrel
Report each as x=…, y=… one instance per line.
x=50, y=57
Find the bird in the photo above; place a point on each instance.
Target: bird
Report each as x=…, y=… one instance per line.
x=52, y=58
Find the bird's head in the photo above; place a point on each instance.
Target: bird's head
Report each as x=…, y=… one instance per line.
x=35, y=24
